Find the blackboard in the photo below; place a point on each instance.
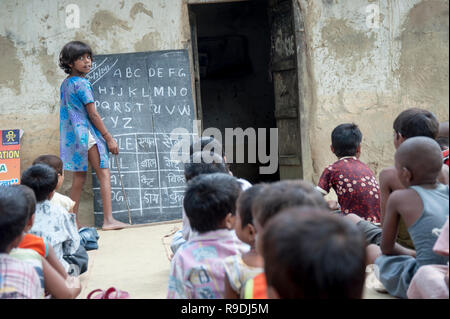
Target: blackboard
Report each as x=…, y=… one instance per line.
x=142, y=97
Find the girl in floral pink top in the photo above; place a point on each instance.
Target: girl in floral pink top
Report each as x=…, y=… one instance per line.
x=197, y=270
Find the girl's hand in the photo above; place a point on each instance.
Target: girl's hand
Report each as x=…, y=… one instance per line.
x=112, y=144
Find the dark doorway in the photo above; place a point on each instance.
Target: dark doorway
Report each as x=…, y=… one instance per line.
x=232, y=54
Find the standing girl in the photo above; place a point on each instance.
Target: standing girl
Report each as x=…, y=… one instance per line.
x=83, y=136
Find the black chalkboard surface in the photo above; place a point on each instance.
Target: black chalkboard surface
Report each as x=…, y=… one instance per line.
x=142, y=97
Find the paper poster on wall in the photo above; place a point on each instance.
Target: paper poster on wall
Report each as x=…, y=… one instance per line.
x=9, y=157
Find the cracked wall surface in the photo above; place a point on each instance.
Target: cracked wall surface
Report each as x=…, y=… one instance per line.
x=33, y=32
x=368, y=75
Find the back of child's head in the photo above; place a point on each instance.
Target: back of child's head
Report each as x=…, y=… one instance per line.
x=70, y=52
x=14, y=214
x=345, y=139
x=284, y=194
x=204, y=163
x=310, y=254
x=30, y=197
x=209, y=198
x=51, y=160
x=206, y=143
x=245, y=202
x=42, y=179
x=422, y=156
x=416, y=122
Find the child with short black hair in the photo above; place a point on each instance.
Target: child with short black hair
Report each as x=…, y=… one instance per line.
x=51, y=273
x=422, y=204
x=196, y=166
x=53, y=222
x=196, y=269
x=272, y=199
x=353, y=181
x=240, y=268
x=23, y=272
x=409, y=123
x=56, y=163
x=310, y=254
x=36, y=243
x=19, y=279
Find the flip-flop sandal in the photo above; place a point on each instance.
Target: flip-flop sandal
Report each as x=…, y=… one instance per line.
x=113, y=293
x=96, y=294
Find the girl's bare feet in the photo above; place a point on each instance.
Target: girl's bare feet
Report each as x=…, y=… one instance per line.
x=113, y=225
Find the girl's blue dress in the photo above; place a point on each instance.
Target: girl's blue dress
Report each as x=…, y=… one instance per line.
x=76, y=93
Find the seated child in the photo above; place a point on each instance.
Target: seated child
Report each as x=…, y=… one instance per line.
x=195, y=167
x=409, y=123
x=269, y=202
x=431, y=281
x=210, y=144
x=423, y=205
x=38, y=244
x=240, y=268
x=353, y=181
x=19, y=279
x=56, y=163
x=56, y=282
x=310, y=254
x=197, y=270
x=52, y=222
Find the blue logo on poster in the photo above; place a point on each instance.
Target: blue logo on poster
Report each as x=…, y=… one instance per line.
x=10, y=137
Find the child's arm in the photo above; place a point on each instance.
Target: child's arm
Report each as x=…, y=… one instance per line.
x=57, y=286
x=390, y=228
x=53, y=260
x=229, y=292
x=98, y=123
x=385, y=191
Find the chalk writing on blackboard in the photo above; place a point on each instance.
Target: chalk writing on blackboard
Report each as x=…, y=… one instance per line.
x=142, y=97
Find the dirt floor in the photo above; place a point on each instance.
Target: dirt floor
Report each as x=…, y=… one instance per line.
x=136, y=260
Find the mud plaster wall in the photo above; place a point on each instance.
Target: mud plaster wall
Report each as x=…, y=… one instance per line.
x=32, y=34
x=368, y=75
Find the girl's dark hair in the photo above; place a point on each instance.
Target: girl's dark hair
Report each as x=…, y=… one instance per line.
x=345, y=139
x=14, y=214
x=52, y=161
x=208, y=200
x=310, y=254
x=42, y=179
x=70, y=52
x=245, y=202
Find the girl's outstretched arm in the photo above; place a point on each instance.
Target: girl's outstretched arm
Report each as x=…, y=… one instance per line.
x=98, y=123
